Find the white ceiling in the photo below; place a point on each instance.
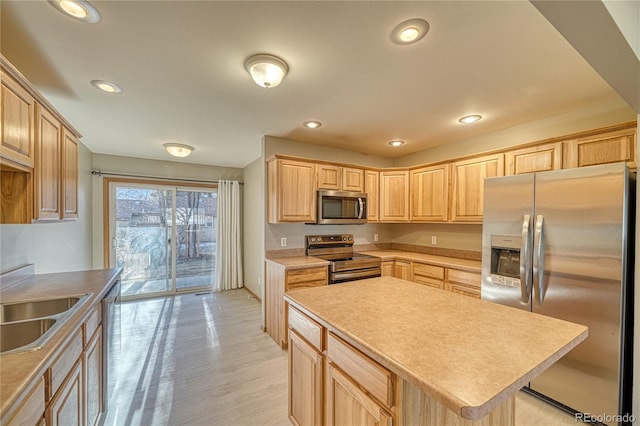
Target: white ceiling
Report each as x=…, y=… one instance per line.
x=181, y=66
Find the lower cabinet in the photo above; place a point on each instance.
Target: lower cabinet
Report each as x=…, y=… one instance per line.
x=305, y=382
x=92, y=363
x=464, y=282
x=429, y=275
x=387, y=268
x=402, y=270
x=65, y=408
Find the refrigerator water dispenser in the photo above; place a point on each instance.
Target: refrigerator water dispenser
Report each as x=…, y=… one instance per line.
x=505, y=260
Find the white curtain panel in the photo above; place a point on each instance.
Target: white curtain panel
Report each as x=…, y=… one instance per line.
x=228, y=238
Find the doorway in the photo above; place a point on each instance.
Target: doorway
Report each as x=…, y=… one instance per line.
x=163, y=237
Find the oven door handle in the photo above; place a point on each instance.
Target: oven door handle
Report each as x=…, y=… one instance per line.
x=360, y=207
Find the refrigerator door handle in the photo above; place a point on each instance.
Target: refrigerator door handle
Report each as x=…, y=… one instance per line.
x=538, y=260
x=525, y=261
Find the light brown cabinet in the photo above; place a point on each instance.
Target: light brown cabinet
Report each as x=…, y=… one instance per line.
x=429, y=275
x=339, y=178
x=92, y=369
x=372, y=188
x=306, y=369
x=17, y=116
x=402, y=269
x=468, y=185
x=602, y=148
x=464, y=282
x=32, y=409
x=278, y=280
x=394, y=196
x=291, y=191
x=69, y=176
x=387, y=268
x=47, y=170
x=539, y=158
x=430, y=194
x=65, y=409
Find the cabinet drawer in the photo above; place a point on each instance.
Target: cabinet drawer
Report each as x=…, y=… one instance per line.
x=377, y=380
x=32, y=409
x=306, y=327
x=431, y=282
x=309, y=274
x=307, y=284
x=471, y=278
x=428, y=270
x=465, y=289
x=92, y=324
x=64, y=363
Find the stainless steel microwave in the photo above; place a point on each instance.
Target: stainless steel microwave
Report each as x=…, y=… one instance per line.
x=341, y=208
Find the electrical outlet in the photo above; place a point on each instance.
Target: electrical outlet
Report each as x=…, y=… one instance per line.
x=375, y=237
x=433, y=240
x=283, y=242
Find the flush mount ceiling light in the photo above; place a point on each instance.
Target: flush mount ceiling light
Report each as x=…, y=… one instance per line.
x=79, y=9
x=266, y=70
x=312, y=124
x=396, y=143
x=178, y=149
x=409, y=31
x=468, y=119
x=106, y=86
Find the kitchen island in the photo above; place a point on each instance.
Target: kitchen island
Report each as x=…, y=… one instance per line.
x=388, y=351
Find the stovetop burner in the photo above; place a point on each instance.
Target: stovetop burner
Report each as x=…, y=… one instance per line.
x=345, y=265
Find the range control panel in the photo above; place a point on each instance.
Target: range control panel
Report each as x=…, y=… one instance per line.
x=329, y=239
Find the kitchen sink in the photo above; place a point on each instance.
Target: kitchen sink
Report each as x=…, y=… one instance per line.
x=24, y=335
x=20, y=311
x=27, y=325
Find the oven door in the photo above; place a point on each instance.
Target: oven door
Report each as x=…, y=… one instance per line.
x=341, y=208
x=353, y=275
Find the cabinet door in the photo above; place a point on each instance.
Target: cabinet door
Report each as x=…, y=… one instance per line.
x=92, y=362
x=305, y=382
x=539, y=158
x=48, y=145
x=402, y=269
x=464, y=282
x=69, y=175
x=430, y=194
x=352, y=179
x=372, y=188
x=468, y=186
x=17, y=114
x=387, y=268
x=274, y=304
x=347, y=404
x=394, y=196
x=609, y=147
x=291, y=191
x=329, y=177
x=65, y=409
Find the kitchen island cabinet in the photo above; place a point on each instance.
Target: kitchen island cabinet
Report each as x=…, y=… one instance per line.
x=382, y=366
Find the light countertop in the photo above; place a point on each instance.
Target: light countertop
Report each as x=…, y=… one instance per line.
x=444, y=261
x=20, y=370
x=468, y=354
x=296, y=262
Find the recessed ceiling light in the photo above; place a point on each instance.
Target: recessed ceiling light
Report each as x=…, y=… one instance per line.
x=396, y=142
x=178, y=149
x=312, y=124
x=468, y=119
x=107, y=86
x=79, y=9
x=409, y=31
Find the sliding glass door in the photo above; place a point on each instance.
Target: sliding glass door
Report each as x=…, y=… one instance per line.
x=163, y=237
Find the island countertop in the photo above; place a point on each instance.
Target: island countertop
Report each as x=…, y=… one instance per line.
x=470, y=355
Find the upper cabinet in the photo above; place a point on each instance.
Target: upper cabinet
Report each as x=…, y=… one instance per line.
x=17, y=111
x=394, y=196
x=430, y=194
x=539, y=158
x=468, y=185
x=291, y=191
x=38, y=155
x=602, y=148
x=339, y=178
x=372, y=188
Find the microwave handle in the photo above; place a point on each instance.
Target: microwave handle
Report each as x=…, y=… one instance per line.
x=361, y=208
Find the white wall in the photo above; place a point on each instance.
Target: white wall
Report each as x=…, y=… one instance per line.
x=54, y=247
x=254, y=219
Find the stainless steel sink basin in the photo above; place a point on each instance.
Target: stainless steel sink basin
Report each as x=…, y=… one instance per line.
x=15, y=335
x=36, y=308
x=27, y=325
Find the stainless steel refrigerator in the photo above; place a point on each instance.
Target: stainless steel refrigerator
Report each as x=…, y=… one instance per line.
x=560, y=243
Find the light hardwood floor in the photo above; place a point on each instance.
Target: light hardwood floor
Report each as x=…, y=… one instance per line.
x=203, y=360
